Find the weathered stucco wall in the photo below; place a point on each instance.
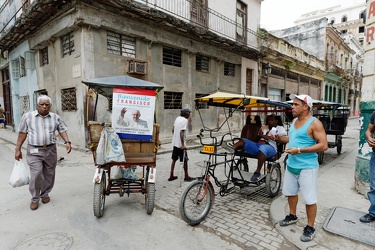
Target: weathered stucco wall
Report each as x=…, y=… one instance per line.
x=309, y=36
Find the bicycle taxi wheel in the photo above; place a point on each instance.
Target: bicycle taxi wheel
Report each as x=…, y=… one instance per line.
x=99, y=196
x=320, y=157
x=150, y=193
x=196, y=202
x=273, y=180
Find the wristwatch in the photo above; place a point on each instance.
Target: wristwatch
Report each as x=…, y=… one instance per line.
x=298, y=150
x=67, y=142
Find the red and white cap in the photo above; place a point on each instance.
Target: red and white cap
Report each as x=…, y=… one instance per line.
x=307, y=99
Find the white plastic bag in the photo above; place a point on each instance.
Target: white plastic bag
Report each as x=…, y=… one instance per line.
x=109, y=148
x=20, y=175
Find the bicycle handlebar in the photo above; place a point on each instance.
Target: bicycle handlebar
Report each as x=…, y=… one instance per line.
x=214, y=138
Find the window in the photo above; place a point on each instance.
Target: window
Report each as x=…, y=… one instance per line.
x=344, y=31
x=22, y=67
x=68, y=44
x=68, y=99
x=202, y=63
x=172, y=100
x=229, y=69
x=198, y=12
x=360, y=41
x=24, y=104
x=241, y=22
x=15, y=65
x=362, y=15
x=120, y=44
x=332, y=22
x=43, y=53
x=201, y=105
x=172, y=56
x=30, y=60
x=361, y=29
x=344, y=19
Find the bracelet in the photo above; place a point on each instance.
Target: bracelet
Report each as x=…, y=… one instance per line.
x=67, y=142
x=298, y=150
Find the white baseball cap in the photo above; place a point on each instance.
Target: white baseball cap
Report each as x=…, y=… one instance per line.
x=307, y=99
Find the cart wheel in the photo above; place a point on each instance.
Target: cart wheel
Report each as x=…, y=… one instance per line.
x=195, y=203
x=320, y=157
x=339, y=144
x=99, y=197
x=273, y=180
x=150, y=197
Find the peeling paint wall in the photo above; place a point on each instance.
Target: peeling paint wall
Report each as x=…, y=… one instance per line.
x=309, y=36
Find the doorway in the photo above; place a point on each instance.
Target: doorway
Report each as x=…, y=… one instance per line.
x=7, y=96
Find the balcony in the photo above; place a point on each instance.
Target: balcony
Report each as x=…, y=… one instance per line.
x=188, y=17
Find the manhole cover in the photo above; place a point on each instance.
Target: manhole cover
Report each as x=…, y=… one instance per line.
x=51, y=241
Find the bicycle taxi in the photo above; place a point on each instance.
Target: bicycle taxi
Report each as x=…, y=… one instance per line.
x=334, y=117
x=124, y=156
x=198, y=197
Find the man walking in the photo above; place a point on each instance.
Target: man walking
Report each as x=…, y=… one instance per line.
x=371, y=194
x=39, y=128
x=306, y=137
x=179, y=144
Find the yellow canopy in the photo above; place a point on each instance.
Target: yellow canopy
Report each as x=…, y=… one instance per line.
x=233, y=100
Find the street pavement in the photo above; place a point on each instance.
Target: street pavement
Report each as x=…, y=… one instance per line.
x=244, y=219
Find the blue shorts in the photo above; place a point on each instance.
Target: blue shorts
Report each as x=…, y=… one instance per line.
x=304, y=182
x=253, y=148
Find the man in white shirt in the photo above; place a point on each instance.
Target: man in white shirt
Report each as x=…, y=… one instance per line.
x=179, y=144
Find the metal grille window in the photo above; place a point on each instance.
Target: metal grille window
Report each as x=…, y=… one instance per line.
x=172, y=100
x=202, y=63
x=172, y=56
x=201, y=105
x=25, y=104
x=68, y=99
x=44, y=56
x=68, y=44
x=22, y=67
x=120, y=44
x=229, y=69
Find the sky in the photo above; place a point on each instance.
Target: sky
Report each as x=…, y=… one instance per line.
x=281, y=14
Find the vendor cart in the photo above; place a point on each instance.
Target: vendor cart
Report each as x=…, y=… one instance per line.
x=137, y=172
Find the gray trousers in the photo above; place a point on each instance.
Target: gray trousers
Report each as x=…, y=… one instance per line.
x=42, y=170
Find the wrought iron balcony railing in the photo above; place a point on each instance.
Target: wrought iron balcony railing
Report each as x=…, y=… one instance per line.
x=190, y=11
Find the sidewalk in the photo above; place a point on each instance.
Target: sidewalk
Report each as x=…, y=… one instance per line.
x=335, y=189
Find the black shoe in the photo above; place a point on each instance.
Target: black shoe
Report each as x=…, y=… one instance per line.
x=308, y=234
x=367, y=218
x=189, y=179
x=289, y=219
x=255, y=177
x=172, y=178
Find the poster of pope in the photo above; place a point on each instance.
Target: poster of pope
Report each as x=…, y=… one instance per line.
x=133, y=113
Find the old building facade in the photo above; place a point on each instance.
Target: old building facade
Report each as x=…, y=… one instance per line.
x=191, y=47
x=324, y=41
x=349, y=21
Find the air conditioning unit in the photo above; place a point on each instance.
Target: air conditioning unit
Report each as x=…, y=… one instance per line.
x=137, y=67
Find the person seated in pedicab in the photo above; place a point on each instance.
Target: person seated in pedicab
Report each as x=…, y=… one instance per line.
x=251, y=128
x=266, y=147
